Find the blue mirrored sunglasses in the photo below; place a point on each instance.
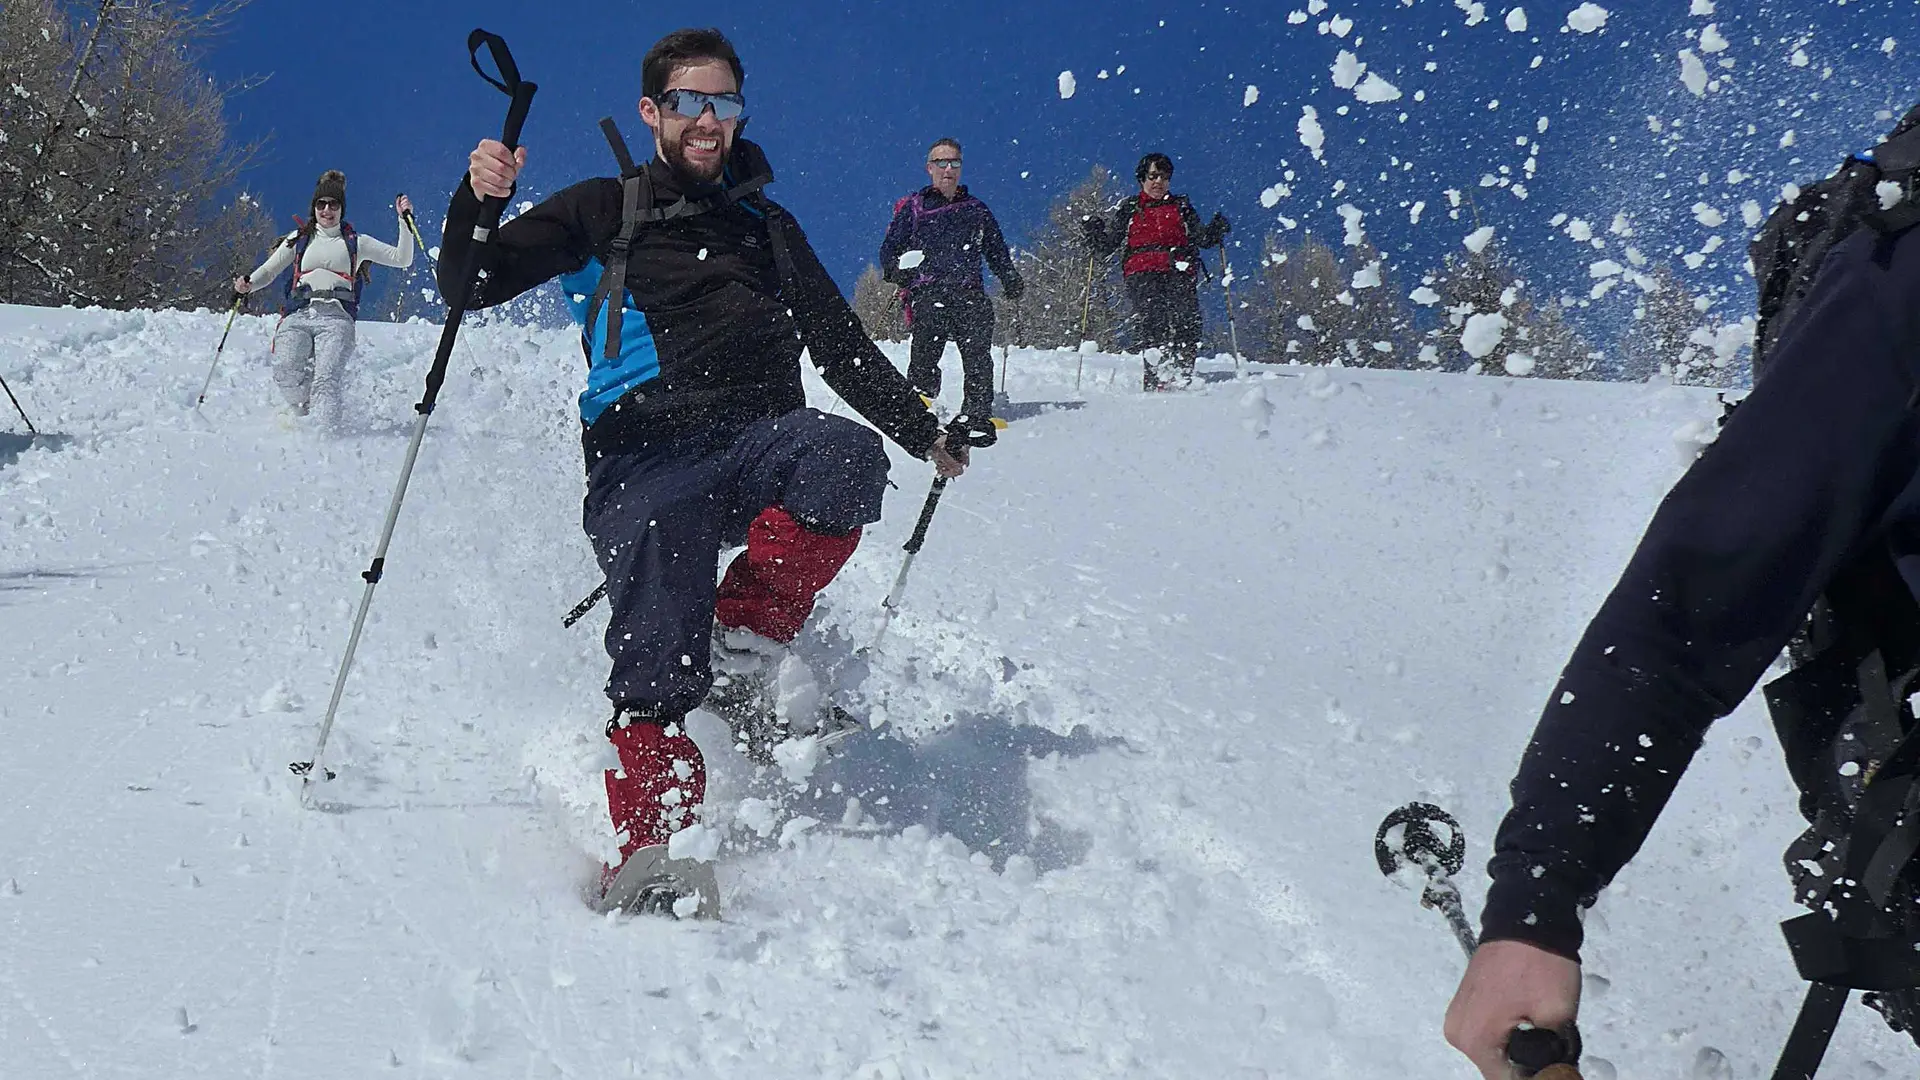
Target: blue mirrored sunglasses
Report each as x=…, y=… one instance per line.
x=691, y=103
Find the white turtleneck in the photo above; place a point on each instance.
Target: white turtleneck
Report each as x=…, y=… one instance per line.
x=324, y=266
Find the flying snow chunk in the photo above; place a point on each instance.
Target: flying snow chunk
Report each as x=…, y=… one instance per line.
x=1693, y=72
x=1587, y=18
x=1424, y=296
x=1483, y=333
x=1890, y=194
x=1579, y=230
x=1347, y=70
x=1478, y=239
x=1711, y=40
x=1702, y=7
x=1340, y=25
x=1476, y=11
x=1367, y=277
x=1887, y=46
x=1352, y=215
x=1066, y=85
x=1708, y=216
x=1605, y=268
x=1519, y=365
x=1272, y=196
x=1800, y=58
x=1751, y=213
x=911, y=259
x=1376, y=90
x=1252, y=95
x=1517, y=20
x=1296, y=17
x=1312, y=135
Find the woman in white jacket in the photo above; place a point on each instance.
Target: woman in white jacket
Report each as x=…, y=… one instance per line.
x=329, y=263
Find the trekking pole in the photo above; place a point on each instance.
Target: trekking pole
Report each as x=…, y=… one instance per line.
x=1086, y=309
x=1006, y=354
x=1407, y=839
x=414, y=228
x=238, y=299
x=1226, y=282
x=892, y=603
x=31, y=430
x=580, y=609
x=521, y=91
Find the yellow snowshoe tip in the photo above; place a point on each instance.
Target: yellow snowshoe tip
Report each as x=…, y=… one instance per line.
x=998, y=424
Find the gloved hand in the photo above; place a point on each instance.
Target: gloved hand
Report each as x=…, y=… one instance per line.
x=1014, y=289
x=1093, y=229
x=1219, y=225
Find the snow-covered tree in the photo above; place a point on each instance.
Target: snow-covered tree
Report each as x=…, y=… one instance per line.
x=115, y=160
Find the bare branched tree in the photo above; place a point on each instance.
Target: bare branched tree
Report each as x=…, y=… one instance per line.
x=1067, y=287
x=877, y=302
x=115, y=158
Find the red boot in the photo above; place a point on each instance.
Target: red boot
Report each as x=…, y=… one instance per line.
x=661, y=779
x=769, y=588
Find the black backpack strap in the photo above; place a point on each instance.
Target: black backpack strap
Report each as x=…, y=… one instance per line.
x=619, y=145
x=777, y=234
x=1812, y=1031
x=634, y=196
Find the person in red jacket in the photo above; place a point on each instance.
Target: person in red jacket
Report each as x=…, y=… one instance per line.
x=1162, y=237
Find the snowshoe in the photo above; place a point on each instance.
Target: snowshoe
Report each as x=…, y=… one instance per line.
x=652, y=883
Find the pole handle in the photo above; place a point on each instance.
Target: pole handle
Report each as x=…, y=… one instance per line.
x=1544, y=1053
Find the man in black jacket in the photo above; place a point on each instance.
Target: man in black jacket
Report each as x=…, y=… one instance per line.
x=1816, y=472
x=693, y=421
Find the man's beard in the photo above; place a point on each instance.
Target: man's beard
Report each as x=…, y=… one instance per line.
x=674, y=152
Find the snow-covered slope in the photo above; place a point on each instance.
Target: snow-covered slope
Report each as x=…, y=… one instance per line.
x=1164, y=664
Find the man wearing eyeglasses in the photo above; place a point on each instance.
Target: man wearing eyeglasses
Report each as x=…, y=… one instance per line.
x=696, y=431
x=1162, y=237
x=932, y=250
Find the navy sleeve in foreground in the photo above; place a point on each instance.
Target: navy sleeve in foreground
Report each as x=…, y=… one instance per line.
x=1797, y=483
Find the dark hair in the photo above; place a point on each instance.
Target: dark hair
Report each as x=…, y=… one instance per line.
x=685, y=48
x=1163, y=161
x=938, y=143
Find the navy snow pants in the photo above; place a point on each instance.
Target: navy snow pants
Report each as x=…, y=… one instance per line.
x=659, y=515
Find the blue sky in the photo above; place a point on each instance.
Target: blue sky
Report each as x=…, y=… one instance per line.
x=845, y=96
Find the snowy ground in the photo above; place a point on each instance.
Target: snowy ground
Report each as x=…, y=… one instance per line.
x=1164, y=664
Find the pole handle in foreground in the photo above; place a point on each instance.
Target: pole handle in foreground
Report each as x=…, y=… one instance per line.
x=1424, y=837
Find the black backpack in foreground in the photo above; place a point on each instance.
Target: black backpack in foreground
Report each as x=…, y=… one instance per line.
x=1877, y=192
x=1842, y=713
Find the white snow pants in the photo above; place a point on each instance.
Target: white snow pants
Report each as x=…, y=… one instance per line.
x=317, y=337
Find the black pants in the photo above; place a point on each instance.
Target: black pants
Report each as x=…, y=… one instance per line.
x=658, y=516
x=1166, y=316
x=966, y=319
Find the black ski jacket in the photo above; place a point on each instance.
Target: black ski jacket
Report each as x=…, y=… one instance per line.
x=1819, y=466
x=710, y=334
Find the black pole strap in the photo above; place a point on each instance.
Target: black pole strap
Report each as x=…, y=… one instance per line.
x=502, y=61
